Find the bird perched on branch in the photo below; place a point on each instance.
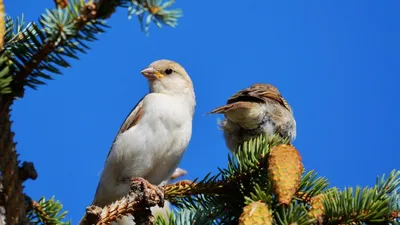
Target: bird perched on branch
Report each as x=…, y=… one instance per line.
x=253, y=111
x=156, y=210
x=154, y=136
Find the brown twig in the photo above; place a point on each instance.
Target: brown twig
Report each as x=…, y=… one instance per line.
x=142, y=196
x=186, y=188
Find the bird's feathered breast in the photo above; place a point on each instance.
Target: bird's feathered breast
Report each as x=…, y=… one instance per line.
x=170, y=110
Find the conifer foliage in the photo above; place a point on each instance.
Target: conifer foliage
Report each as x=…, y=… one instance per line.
x=32, y=53
x=264, y=182
x=247, y=193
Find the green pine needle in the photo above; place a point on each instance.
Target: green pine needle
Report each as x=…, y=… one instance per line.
x=36, y=52
x=48, y=212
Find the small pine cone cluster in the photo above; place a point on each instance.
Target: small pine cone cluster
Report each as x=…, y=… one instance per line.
x=256, y=213
x=284, y=170
x=316, y=207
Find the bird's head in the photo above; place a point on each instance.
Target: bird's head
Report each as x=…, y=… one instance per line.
x=168, y=77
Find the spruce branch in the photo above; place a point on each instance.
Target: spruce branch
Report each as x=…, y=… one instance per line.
x=47, y=212
x=142, y=196
x=149, y=11
x=311, y=185
x=376, y=205
x=246, y=180
x=295, y=213
x=39, y=50
x=220, y=198
x=14, y=29
x=389, y=185
x=199, y=216
x=30, y=54
x=59, y=28
x=5, y=78
x=355, y=206
x=230, y=186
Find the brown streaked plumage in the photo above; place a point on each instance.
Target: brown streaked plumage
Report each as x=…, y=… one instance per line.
x=257, y=109
x=260, y=93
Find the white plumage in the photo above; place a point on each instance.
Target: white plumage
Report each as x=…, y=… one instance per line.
x=154, y=136
x=151, y=149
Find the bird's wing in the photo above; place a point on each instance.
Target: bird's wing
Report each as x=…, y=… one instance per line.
x=131, y=120
x=270, y=95
x=257, y=93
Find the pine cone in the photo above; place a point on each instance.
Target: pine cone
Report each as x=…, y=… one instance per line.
x=256, y=213
x=317, y=208
x=285, y=169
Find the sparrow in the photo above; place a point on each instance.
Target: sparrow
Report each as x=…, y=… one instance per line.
x=153, y=138
x=256, y=110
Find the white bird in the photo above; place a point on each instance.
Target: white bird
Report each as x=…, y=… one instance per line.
x=154, y=136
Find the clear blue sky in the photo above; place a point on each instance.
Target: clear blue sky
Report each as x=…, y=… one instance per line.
x=336, y=62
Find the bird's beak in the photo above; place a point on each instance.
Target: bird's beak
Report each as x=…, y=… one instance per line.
x=151, y=74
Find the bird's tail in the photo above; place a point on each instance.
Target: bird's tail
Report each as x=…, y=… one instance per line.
x=231, y=107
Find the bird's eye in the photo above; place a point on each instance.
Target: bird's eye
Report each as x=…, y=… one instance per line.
x=168, y=71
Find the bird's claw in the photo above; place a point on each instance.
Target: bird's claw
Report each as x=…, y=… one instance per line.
x=152, y=194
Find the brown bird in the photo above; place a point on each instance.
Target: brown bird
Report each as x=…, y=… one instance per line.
x=253, y=111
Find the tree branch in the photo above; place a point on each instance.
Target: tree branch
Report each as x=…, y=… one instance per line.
x=88, y=13
x=11, y=196
x=142, y=196
x=40, y=211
